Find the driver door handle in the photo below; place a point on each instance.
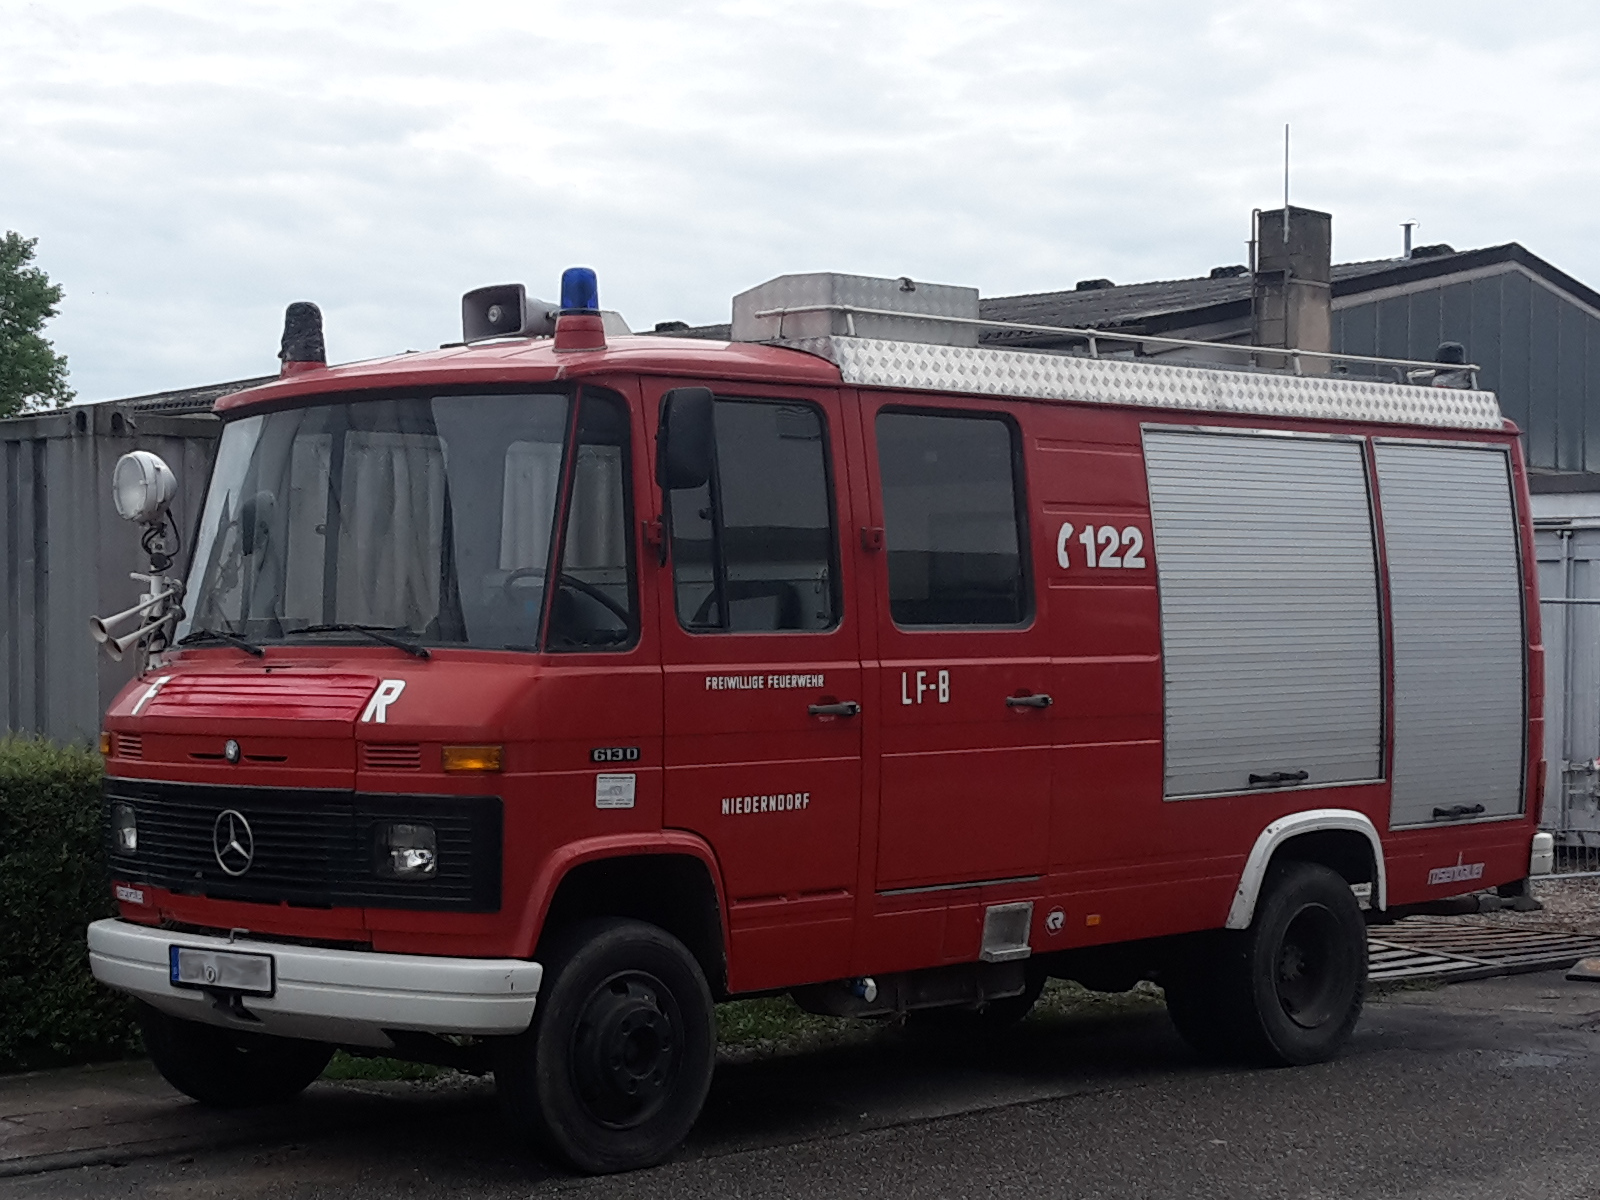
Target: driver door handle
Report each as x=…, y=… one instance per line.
x=1038, y=700
x=844, y=708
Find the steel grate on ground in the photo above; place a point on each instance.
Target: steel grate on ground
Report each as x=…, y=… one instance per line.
x=1430, y=949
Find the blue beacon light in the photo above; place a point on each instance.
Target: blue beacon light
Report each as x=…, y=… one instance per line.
x=580, y=291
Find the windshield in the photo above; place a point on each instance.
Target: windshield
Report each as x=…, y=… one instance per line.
x=428, y=517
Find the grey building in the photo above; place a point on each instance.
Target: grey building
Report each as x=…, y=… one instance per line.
x=1533, y=329
x=66, y=555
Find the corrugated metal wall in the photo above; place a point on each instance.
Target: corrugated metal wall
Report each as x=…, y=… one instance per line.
x=1569, y=568
x=66, y=555
x=1540, y=353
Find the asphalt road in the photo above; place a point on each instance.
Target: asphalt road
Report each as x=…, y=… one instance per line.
x=1478, y=1090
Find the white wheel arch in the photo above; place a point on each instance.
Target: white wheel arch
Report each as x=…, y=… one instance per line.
x=1282, y=830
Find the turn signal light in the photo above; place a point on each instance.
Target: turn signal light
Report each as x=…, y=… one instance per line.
x=105, y=744
x=481, y=759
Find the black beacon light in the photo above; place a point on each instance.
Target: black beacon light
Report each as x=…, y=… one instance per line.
x=302, y=348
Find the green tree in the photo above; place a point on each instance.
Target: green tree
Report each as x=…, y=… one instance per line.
x=32, y=374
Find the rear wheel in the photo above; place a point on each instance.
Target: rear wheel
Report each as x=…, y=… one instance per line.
x=226, y=1068
x=616, y=1065
x=1287, y=991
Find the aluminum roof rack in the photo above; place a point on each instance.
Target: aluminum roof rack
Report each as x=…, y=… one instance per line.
x=909, y=334
x=1095, y=336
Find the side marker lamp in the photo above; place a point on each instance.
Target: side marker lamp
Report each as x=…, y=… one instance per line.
x=124, y=829
x=407, y=851
x=472, y=759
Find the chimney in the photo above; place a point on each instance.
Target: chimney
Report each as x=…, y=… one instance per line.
x=1292, y=296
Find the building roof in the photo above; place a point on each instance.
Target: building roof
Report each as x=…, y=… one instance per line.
x=189, y=400
x=1165, y=305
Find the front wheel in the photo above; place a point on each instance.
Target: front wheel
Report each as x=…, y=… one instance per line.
x=1288, y=991
x=614, y=1070
x=228, y=1069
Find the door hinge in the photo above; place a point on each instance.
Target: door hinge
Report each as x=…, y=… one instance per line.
x=655, y=535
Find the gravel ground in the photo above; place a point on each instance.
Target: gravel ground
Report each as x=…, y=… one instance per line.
x=1570, y=905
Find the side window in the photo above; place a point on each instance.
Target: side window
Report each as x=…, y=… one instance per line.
x=753, y=549
x=592, y=602
x=950, y=509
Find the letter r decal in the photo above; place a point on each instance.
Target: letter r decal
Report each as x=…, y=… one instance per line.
x=388, y=691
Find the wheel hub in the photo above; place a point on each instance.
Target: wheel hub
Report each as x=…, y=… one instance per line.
x=1307, y=979
x=626, y=1049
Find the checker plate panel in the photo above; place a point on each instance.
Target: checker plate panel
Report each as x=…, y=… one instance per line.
x=980, y=370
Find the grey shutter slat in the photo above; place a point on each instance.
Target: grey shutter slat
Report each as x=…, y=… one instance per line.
x=1269, y=609
x=1456, y=604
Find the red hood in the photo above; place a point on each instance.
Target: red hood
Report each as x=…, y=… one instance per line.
x=285, y=696
x=301, y=693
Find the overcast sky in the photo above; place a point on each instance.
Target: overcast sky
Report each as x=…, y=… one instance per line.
x=190, y=168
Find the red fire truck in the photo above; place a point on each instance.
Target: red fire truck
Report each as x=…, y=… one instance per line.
x=529, y=697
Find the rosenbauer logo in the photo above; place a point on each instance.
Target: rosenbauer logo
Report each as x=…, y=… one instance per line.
x=1460, y=873
x=739, y=806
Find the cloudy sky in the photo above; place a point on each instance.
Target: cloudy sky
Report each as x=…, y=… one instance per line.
x=191, y=167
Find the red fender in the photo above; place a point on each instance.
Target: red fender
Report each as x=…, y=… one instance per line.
x=614, y=845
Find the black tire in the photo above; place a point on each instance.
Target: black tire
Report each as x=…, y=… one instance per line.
x=1288, y=991
x=227, y=1069
x=615, y=1068
x=1194, y=986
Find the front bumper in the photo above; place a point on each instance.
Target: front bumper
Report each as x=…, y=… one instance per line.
x=344, y=996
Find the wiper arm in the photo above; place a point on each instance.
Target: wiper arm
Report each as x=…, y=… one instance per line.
x=376, y=633
x=222, y=635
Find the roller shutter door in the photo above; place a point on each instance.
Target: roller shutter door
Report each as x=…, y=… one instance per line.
x=1456, y=604
x=1269, y=610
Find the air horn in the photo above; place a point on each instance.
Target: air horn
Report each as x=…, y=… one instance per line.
x=100, y=627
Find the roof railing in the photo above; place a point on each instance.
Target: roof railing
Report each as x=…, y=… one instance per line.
x=1412, y=367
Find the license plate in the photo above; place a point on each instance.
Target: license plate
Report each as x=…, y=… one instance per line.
x=250, y=974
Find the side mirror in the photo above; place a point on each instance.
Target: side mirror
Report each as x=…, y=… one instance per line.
x=684, y=442
x=255, y=522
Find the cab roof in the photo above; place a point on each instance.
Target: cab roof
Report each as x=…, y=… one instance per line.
x=524, y=360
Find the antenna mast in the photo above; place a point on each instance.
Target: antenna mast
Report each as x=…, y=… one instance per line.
x=1286, y=183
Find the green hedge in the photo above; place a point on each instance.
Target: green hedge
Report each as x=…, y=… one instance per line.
x=52, y=884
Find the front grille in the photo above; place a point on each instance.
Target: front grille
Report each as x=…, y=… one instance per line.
x=311, y=848
x=391, y=756
x=130, y=745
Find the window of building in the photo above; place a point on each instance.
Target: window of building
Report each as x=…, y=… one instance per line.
x=754, y=548
x=951, y=519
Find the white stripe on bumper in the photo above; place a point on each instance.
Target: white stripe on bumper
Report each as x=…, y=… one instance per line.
x=327, y=995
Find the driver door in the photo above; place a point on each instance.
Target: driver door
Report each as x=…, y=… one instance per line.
x=763, y=680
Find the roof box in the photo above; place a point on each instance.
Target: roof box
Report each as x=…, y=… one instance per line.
x=794, y=308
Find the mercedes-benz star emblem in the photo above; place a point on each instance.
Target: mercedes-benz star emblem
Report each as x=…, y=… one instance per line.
x=232, y=842
x=230, y=750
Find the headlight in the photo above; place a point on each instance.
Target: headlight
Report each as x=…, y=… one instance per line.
x=142, y=486
x=407, y=851
x=124, y=829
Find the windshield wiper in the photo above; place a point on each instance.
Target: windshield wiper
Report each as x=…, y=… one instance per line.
x=376, y=632
x=221, y=635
